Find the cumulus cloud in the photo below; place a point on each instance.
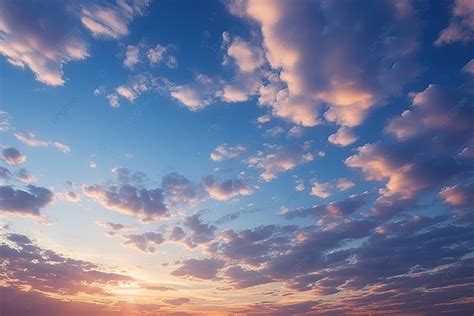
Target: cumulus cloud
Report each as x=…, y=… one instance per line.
x=24, y=202
x=199, y=232
x=30, y=139
x=227, y=189
x=160, y=54
x=435, y=110
x=225, y=152
x=24, y=176
x=177, y=234
x=13, y=156
x=458, y=195
x=132, y=56
x=146, y=204
x=41, y=38
x=461, y=26
x=197, y=94
x=179, y=190
x=323, y=190
x=111, y=21
x=205, y=269
x=343, y=137
x=144, y=242
x=306, y=36
x=25, y=265
x=247, y=57
x=277, y=159
x=339, y=209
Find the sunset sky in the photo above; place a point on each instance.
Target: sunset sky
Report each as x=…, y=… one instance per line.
x=245, y=157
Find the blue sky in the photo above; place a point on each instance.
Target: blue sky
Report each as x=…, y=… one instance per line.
x=252, y=156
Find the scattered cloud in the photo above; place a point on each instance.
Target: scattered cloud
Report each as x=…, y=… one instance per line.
x=30, y=139
x=226, y=152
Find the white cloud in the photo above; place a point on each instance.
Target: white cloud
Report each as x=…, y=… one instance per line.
x=225, y=152
x=343, y=137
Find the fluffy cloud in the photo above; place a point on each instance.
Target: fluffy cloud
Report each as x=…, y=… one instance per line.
x=225, y=152
x=41, y=38
x=461, y=26
x=130, y=200
x=196, y=95
x=199, y=231
x=435, y=110
x=339, y=209
x=30, y=139
x=111, y=21
x=132, y=56
x=144, y=242
x=27, y=265
x=225, y=190
x=159, y=54
x=247, y=57
x=24, y=202
x=179, y=190
x=205, y=269
x=24, y=176
x=278, y=159
x=323, y=190
x=332, y=63
x=343, y=137
x=458, y=195
x=13, y=156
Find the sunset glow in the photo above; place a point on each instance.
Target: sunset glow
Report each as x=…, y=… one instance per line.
x=236, y=157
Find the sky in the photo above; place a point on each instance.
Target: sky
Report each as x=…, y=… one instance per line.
x=241, y=157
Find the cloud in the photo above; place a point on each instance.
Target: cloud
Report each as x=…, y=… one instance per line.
x=24, y=176
x=179, y=190
x=196, y=95
x=435, y=110
x=27, y=265
x=323, y=190
x=205, y=269
x=468, y=68
x=301, y=38
x=343, y=137
x=13, y=156
x=339, y=209
x=227, y=189
x=132, y=56
x=177, y=234
x=29, y=138
x=277, y=159
x=461, y=26
x=111, y=21
x=143, y=242
x=274, y=131
x=21, y=202
x=226, y=152
x=296, y=131
x=199, y=231
x=177, y=301
x=458, y=195
x=159, y=54
x=146, y=204
x=41, y=38
x=5, y=173
x=242, y=278
x=247, y=57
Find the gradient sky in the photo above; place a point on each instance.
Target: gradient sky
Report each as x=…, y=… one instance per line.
x=244, y=157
